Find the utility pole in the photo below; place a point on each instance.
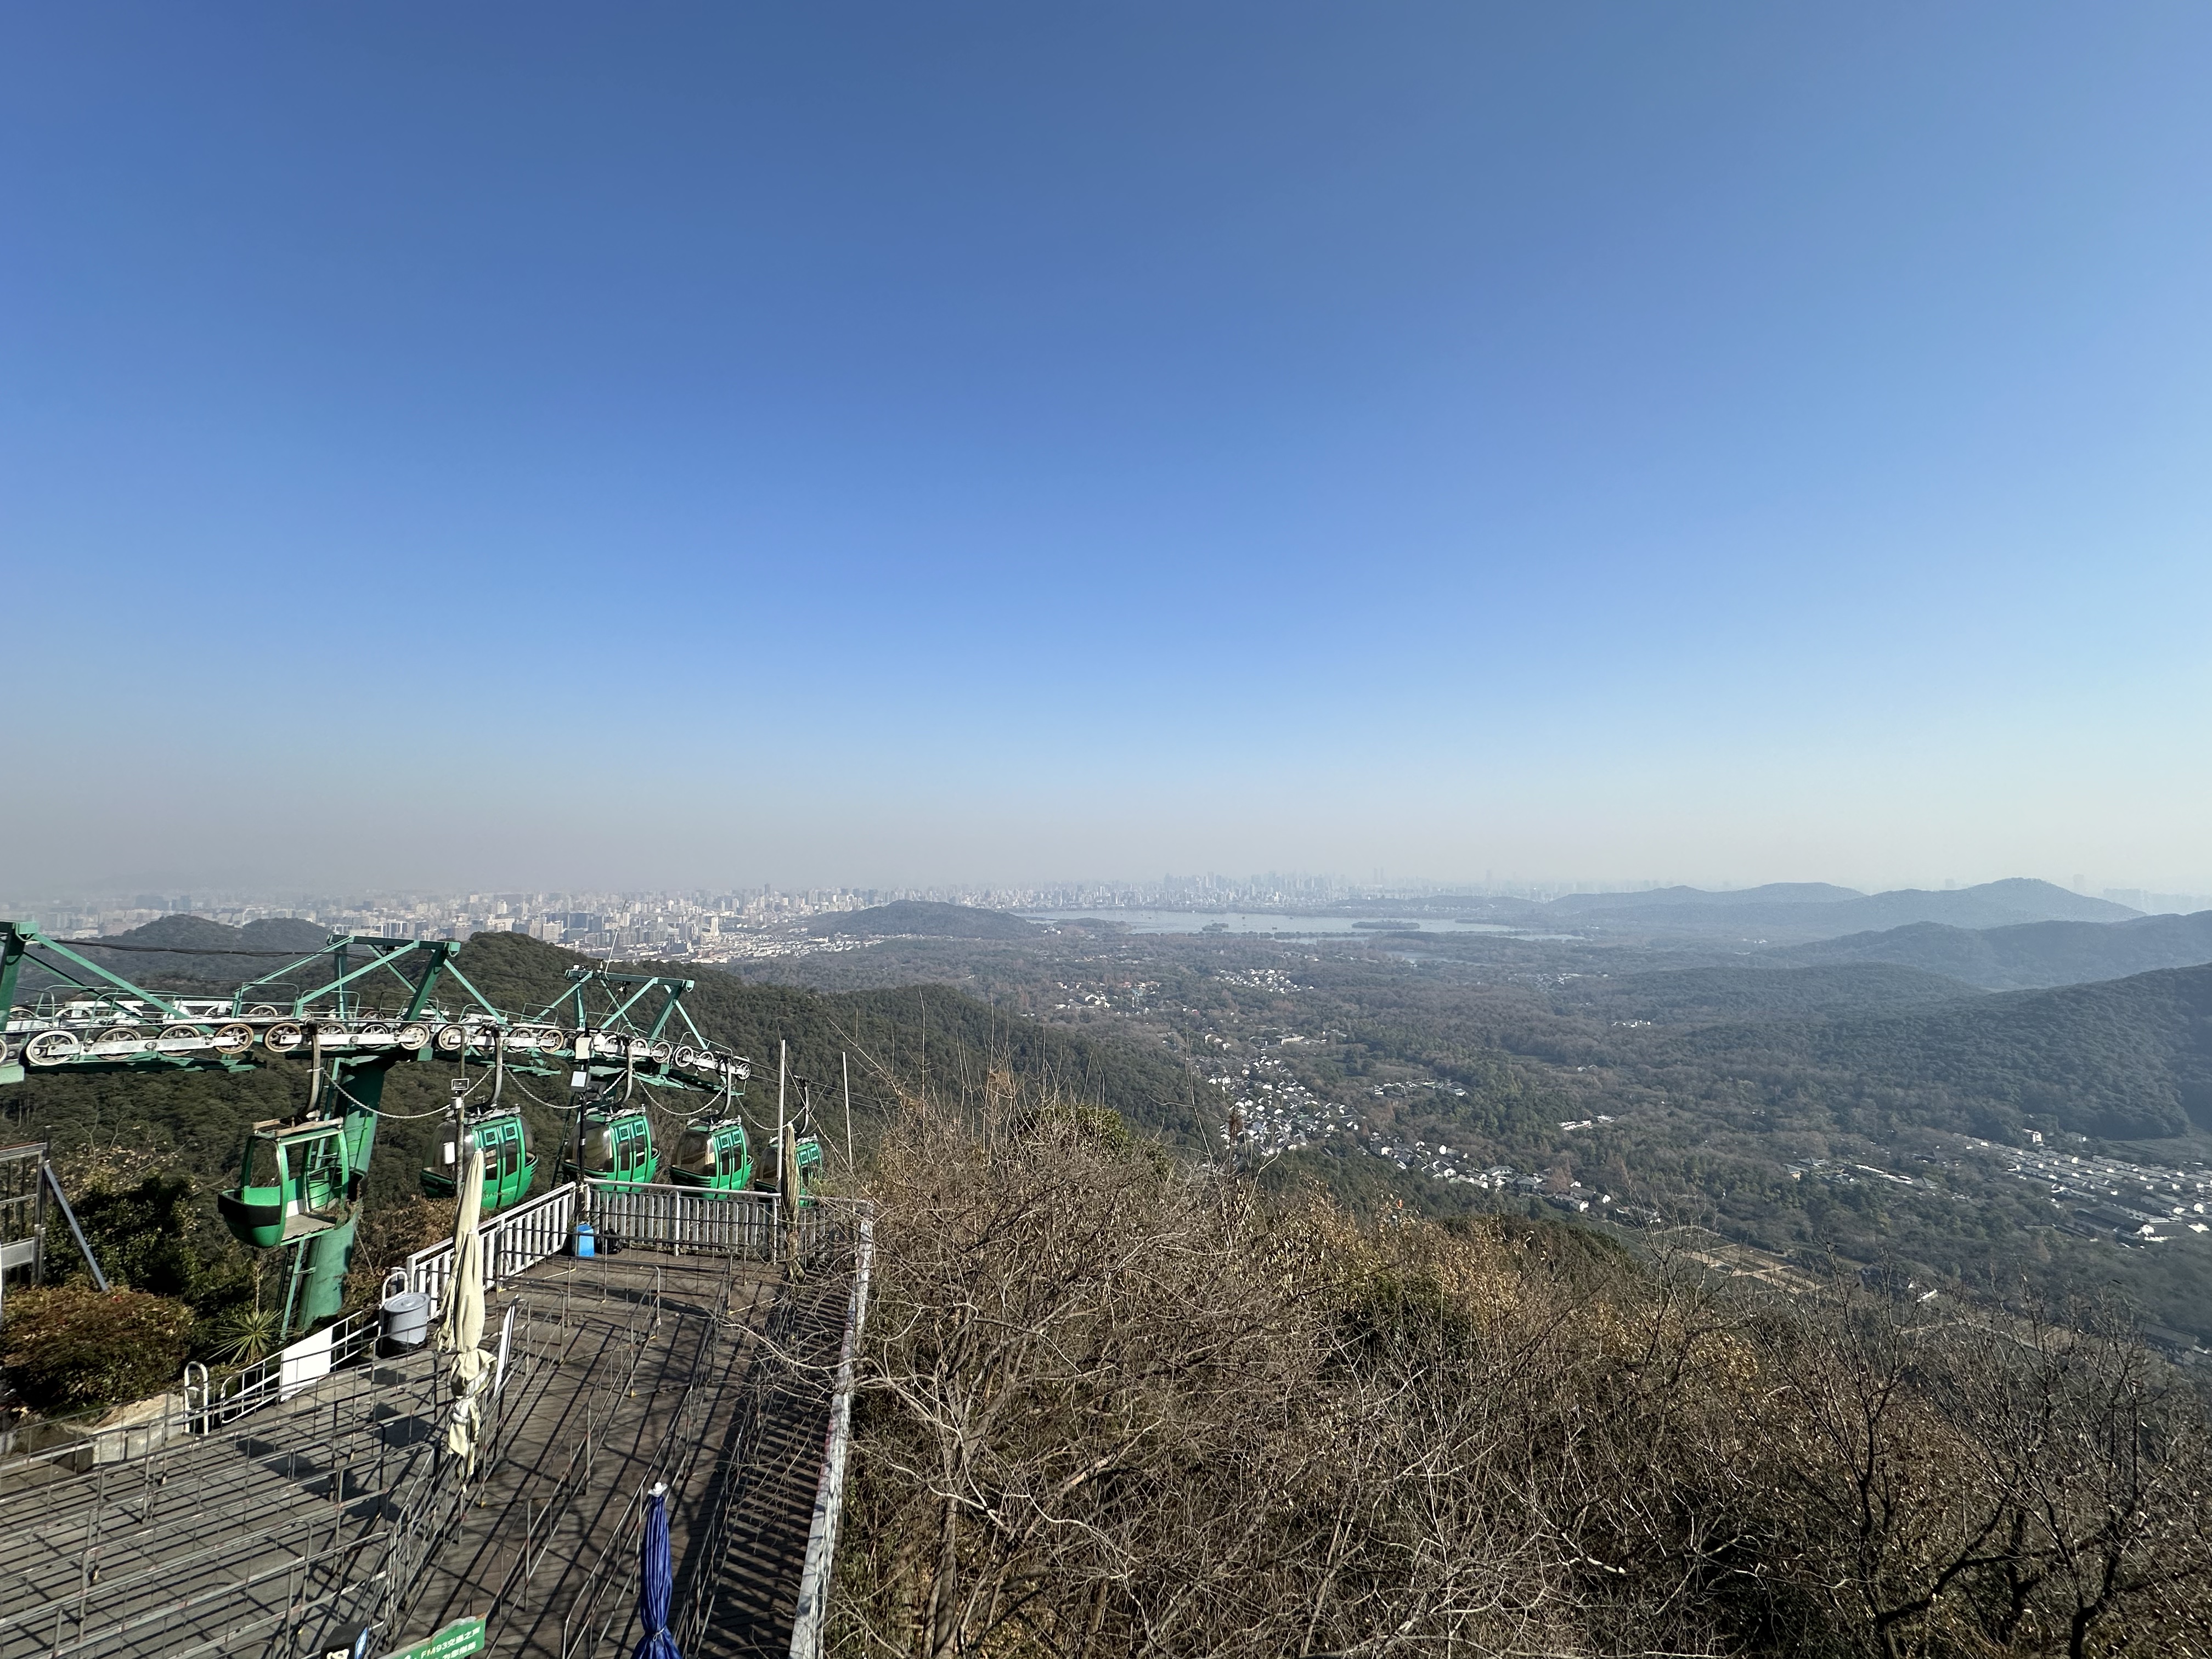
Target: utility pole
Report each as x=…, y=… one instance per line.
x=580, y=1081
x=787, y=1207
x=845, y=1066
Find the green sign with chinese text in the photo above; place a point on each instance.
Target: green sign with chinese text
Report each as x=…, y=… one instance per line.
x=463, y=1636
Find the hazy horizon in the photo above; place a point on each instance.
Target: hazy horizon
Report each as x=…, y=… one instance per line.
x=565, y=448
x=1239, y=890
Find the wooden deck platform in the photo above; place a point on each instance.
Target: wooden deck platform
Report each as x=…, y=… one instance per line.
x=279, y=1535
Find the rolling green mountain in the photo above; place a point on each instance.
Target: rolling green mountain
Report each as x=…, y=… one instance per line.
x=2029, y=956
x=2125, y=1059
x=914, y=1035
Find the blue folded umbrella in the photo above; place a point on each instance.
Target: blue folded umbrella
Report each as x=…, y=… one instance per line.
x=656, y=1581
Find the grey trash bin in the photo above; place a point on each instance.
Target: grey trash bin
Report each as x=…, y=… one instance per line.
x=404, y=1319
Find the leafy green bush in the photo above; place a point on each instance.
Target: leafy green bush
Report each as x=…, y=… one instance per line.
x=142, y=1236
x=71, y=1348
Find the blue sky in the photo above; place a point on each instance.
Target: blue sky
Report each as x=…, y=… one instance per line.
x=514, y=445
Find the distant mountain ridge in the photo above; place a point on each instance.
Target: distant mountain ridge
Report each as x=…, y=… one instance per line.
x=1684, y=898
x=2024, y=956
x=1817, y=910
x=182, y=947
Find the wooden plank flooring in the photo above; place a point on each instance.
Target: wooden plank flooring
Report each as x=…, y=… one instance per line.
x=203, y=1540
x=642, y=1365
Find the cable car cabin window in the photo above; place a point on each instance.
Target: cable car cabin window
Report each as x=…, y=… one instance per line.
x=259, y=1166
x=630, y=1152
x=505, y=1151
x=322, y=1181
x=310, y=1172
x=695, y=1151
x=600, y=1148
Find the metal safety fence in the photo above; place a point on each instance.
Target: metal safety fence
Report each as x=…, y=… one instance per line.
x=315, y=1522
x=808, y=1626
x=522, y=1237
x=683, y=1218
x=371, y=1506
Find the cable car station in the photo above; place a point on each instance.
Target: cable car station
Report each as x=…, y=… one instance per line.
x=672, y=1340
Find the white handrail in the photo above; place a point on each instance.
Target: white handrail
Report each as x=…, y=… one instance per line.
x=523, y=1236
x=806, y=1630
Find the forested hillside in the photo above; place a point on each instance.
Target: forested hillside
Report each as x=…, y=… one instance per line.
x=1722, y=994
x=1191, y=1423
x=2128, y=1058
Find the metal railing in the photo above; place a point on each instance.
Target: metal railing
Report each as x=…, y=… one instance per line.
x=428, y=1516
x=678, y=1219
x=370, y=1574
x=688, y=1218
x=357, y=1505
x=604, y=1603
x=784, y=1377
x=520, y=1238
x=806, y=1630
x=828, y=1226
x=211, y=1401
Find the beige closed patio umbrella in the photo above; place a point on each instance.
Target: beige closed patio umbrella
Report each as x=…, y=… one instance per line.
x=460, y=1327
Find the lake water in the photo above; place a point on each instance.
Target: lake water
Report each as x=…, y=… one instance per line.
x=1262, y=921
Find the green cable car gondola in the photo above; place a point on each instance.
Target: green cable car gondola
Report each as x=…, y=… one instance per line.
x=806, y=1168
x=715, y=1156
x=809, y=1162
x=509, y=1168
x=617, y=1149
x=294, y=1180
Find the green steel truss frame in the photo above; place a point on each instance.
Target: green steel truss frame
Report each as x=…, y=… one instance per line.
x=609, y=1025
x=607, y=1031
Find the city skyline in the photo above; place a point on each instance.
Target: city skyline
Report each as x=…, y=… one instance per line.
x=607, y=921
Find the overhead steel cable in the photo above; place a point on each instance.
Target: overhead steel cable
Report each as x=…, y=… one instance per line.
x=169, y=950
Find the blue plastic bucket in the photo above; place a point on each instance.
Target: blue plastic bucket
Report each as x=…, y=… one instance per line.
x=585, y=1241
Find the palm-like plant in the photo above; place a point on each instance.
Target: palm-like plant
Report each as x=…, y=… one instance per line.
x=248, y=1335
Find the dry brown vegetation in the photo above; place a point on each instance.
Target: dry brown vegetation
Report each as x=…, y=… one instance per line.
x=1113, y=1406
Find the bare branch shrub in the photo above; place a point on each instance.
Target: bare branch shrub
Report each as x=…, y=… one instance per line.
x=1112, y=1406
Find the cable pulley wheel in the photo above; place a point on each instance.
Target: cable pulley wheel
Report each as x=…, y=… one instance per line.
x=51, y=1047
